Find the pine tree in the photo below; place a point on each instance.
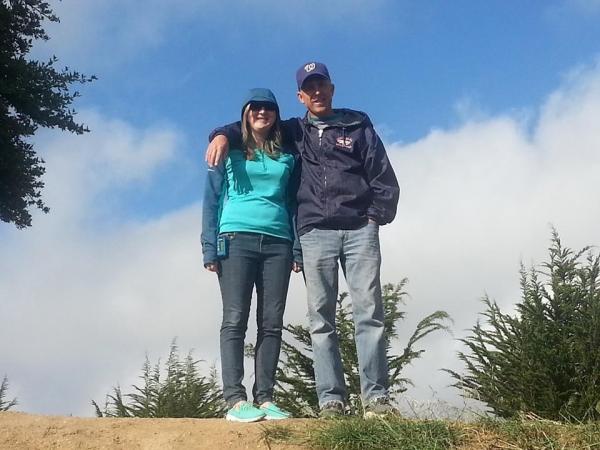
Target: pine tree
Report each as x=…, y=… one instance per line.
x=182, y=393
x=32, y=94
x=545, y=359
x=295, y=380
x=5, y=405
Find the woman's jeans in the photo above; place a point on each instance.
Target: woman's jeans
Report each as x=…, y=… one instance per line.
x=265, y=262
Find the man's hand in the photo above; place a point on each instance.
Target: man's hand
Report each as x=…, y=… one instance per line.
x=296, y=267
x=212, y=267
x=217, y=150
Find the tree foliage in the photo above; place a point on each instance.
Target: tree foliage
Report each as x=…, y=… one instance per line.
x=183, y=392
x=5, y=405
x=32, y=94
x=295, y=380
x=545, y=359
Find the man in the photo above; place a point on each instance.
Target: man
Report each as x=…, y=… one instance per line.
x=347, y=189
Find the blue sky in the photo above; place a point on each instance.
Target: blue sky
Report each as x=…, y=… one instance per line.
x=412, y=67
x=488, y=111
x=391, y=58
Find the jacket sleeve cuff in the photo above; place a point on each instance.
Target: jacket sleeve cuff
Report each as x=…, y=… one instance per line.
x=373, y=214
x=232, y=131
x=210, y=257
x=297, y=254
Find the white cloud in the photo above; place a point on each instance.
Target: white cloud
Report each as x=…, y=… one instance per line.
x=113, y=156
x=94, y=35
x=100, y=35
x=590, y=7
x=563, y=12
x=82, y=301
x=479, y=199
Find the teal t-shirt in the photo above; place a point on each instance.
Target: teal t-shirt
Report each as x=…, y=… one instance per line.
x=257, y=195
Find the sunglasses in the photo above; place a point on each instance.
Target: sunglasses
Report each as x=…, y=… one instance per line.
x=267, y=106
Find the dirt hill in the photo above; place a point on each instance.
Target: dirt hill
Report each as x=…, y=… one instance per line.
x=25, y=431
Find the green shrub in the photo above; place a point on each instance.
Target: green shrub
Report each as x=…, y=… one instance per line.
x=545, y=359
x=295, y=381
x=182, y=393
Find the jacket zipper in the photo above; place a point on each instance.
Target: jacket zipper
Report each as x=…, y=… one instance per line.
x=324, y=171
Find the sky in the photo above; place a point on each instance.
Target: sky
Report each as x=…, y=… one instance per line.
x=488, y=110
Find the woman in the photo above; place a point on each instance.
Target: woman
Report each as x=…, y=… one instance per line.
x=247, y=237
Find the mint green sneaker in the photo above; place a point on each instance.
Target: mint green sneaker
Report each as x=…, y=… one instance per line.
x=274, y=412
x=244, y=412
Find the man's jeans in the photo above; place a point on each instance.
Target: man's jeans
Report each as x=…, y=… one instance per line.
x=264, y=261
x=358, y=253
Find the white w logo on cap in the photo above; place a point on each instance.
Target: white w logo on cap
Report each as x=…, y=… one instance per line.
x=309, y=67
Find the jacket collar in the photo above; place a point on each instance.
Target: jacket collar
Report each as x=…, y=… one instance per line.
x=345, y=118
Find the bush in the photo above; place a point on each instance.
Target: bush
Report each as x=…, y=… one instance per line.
x=295, y=381
x=5, y=405
x=546, y=358
x=182, y=393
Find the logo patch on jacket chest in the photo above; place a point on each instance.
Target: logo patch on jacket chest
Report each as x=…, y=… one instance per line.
x=344, y=142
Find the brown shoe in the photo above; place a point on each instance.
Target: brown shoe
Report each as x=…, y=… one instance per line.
x=380, y=407
x=332, y=409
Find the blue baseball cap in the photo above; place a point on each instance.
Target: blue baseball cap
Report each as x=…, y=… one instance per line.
x=263, y=95
x=311, y=69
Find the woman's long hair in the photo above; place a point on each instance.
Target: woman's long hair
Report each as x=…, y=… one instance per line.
x=273, y=142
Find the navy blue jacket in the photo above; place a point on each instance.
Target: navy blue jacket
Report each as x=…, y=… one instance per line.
x=345, y=174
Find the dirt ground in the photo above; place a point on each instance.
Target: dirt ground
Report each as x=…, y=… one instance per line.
x=27, y=431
